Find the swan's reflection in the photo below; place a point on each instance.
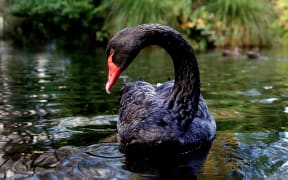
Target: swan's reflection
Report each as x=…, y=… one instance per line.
x=166, y=164
x=101, y=161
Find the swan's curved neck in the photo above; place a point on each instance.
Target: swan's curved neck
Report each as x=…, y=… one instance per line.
x=187, y=81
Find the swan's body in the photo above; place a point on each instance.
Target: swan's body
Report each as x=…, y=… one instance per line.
x=172, y=114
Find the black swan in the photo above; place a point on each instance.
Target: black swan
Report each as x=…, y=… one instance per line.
x=171, y=116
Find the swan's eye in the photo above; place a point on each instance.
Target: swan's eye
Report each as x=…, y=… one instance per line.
x=111, y=52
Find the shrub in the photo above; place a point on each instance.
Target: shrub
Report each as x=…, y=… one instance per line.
x=125, y=13
x=63, y=15
x=233, y=22
x=282, y=22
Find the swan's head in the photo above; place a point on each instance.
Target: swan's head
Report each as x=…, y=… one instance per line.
x=121, y=50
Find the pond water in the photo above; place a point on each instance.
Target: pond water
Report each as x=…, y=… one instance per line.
x=57, y=121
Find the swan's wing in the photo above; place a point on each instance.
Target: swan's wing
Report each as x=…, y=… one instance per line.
x=136, y=100
x=142, y=117
x=165, y=89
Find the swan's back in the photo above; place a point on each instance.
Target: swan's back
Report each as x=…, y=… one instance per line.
x=145, y=120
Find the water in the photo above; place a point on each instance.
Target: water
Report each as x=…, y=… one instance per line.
x=58, y=121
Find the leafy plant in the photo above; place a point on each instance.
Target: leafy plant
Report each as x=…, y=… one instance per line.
x=206, y=22
x=231, y=22
x=199, y=28
x=60, y=15
x=132, y=12
x=282, y=22
x=243, y=22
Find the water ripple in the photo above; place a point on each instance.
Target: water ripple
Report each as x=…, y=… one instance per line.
x=104, y=150
x=263, y=155
x=251, y=92
x=267, y=87
x=83, y=121
x=268, y=100
x=285, y=109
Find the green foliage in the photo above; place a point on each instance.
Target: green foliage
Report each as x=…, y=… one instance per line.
x=232, y=22
x=61, y=15
x=207, y=23
x=282, y=22
x=246, y=22
x=125, y=13
x=199, y=28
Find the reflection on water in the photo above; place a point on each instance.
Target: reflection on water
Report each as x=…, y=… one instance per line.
x=263, y=155
x=246, y=156
x=57, y=121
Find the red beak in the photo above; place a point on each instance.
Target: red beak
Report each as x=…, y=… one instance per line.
x=114, y=73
